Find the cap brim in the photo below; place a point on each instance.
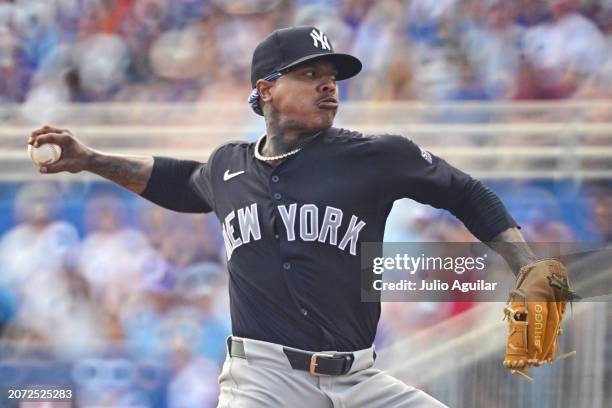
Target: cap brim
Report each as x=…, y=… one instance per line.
x=347, y=65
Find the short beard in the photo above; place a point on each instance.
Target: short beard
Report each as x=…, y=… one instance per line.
x=273, y=123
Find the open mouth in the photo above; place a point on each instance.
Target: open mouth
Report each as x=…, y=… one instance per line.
x=328, y=103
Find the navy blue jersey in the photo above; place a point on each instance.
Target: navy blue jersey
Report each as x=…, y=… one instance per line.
x=293, y=230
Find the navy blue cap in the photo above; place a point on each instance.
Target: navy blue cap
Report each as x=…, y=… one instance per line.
x=289, y=47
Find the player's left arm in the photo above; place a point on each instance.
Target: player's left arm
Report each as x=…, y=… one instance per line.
x=511, y=245
x=429, y=179
x=407, y=171
x=542, y=287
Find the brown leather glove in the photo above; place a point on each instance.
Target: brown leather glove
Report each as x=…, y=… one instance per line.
x=534, y=312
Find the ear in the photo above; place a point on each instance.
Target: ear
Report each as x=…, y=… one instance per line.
x=264, y=89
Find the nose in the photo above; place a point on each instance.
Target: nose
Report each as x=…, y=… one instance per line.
x=328, y=84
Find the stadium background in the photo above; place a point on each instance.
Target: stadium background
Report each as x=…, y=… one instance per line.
x=126, y=303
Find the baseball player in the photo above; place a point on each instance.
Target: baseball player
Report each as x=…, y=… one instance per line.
x=295, y=206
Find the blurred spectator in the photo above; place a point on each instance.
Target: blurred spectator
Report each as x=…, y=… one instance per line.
x=598, y=86
x=599, y=199
x=36, y=259
x=194, y=238
x=561, y=54
x=446, y=228
x=107, y=382
x=182, y=13
x=156, y=222
x=198, y=287
x=604, y=20
x=407, y=220
x=39, y=246
x=102, y=64
x=472, y=88
x=193, y=384
x=387, y=75
x=402, y=320
x=540, y=216
x=181, y=322
x=398, y=84
x=185, y=53
x=493, y=49
x=353, y=11
x=435, y=54
x=115, y=258
x=231, y=66
x=183, y=297
x=34, y=24
x=13, y=73
x=532, y=12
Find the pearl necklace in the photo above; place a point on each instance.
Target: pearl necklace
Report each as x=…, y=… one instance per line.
x=272, y=158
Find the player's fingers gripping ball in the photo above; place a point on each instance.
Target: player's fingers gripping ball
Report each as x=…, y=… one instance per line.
x=534, y=312
x=45, y=154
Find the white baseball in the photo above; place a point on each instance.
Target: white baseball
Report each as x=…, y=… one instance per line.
x=47, y=153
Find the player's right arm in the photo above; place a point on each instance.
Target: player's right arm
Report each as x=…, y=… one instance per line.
x=179, y=185
x=131, y=172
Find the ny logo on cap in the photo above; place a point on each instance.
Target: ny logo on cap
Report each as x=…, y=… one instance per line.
x=319, y=38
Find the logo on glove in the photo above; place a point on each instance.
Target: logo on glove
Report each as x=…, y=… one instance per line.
x=539, y=326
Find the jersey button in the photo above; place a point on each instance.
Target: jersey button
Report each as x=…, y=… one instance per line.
x=276, y=236
x=304, y=312
x=275, y=179
x=286, y=266
x=278, y=196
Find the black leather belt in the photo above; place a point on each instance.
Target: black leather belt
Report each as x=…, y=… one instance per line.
x=317, y=364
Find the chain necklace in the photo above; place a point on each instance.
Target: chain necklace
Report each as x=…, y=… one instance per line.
x=258, y=156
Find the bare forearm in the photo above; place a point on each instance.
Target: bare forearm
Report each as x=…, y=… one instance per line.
x=131, y=172
x=511, y=245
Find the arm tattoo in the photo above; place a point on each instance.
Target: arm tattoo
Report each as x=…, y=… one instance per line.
x=131, y=172
x=511, y=245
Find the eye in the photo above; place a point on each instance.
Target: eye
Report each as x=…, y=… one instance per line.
x=310, y=74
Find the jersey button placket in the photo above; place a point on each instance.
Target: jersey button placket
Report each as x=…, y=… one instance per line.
x=275, y=179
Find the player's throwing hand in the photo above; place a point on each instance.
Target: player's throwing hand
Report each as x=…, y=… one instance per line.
x=75, y=155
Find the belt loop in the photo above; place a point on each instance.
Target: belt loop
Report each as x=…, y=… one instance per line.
x=228, y=344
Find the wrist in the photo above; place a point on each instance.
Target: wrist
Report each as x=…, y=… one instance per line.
x=91, y=158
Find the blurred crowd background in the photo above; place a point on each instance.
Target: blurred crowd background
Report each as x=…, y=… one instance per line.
x=131, y=296
x=56, y=51
x=126, y=303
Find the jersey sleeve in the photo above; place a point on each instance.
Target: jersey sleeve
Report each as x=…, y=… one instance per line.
x=407, y=171
x=180, y=185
